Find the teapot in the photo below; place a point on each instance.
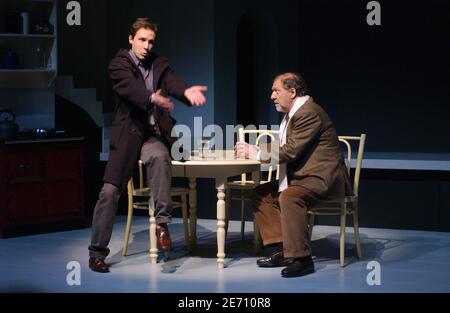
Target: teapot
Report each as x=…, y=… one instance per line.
x=8, y=126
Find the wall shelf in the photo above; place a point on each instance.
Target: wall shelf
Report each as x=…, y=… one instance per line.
x=26, y=36
x=25, y=46
x=26, y=78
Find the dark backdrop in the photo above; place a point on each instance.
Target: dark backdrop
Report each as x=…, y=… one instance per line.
x=389, y=81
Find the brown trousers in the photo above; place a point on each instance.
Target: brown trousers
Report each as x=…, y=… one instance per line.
x=282, y=217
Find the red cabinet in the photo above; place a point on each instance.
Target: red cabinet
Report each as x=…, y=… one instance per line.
x=41, y=182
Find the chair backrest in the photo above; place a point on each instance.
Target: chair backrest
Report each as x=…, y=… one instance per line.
x=141, y=174
x=142, y=190
x=360, y=140
x=259, y=134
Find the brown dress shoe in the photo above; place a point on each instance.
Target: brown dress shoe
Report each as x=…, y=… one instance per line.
x=98, y=265
x=163, y=240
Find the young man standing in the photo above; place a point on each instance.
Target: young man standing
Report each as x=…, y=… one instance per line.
x=142, y=82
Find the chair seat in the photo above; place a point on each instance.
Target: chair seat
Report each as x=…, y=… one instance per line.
x=179, y=190
x=329, y=211
x=141, y=192
x=347, y=199
x=145, y=192
x=140, y=205
x=332, y=206
x=143, y=205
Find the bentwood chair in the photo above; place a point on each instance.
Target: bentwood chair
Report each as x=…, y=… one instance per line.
x=240, y=190
x=141, y=198
x=347, y=205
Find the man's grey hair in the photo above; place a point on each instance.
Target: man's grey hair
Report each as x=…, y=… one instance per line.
x=293, y=80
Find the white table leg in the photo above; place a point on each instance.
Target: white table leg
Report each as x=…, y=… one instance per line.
x=193, y=213
x=257, y=242
x=220, y=186
x=152, y=231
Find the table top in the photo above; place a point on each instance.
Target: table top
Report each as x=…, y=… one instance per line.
x=221, y=165
x=217, y=158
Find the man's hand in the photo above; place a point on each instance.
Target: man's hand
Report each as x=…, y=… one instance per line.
x=243, y=150
x=158, y=99
x=195, y=95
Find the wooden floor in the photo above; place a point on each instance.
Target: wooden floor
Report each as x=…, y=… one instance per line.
x=410, y=261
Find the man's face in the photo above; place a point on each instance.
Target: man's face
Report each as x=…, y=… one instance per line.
x=142, y=43
x=282, y=98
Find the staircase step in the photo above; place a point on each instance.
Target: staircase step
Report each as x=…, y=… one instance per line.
x=105, y=139
x=108, y=118
x=86, y=98
x=84, y=94
x=64, y=86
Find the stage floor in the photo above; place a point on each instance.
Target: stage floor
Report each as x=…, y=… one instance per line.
x=410, y=261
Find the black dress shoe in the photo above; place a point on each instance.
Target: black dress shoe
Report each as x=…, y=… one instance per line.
x=98, y=265
x=274, y=260
x=299, y=267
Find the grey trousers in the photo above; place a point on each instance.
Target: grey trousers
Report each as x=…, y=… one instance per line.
x=155, y=155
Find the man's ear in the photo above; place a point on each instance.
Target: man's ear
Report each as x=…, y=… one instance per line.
x=293, y=93
x=130, y=39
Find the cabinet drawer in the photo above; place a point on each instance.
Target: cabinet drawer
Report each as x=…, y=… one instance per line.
x=64, y=164
x=41, y=183
x=23, y=167
x=65, y=197
x=25, y=203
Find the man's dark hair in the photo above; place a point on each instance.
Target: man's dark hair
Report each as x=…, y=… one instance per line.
x=293, y=80
x=142, y=22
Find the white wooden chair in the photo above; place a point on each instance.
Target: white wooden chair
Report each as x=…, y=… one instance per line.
x=345, y=205
x=240, y=190
x=145, y=202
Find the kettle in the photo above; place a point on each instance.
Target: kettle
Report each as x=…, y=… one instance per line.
x=8, y=126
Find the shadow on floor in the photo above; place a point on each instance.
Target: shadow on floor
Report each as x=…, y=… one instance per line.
x=324, y=249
